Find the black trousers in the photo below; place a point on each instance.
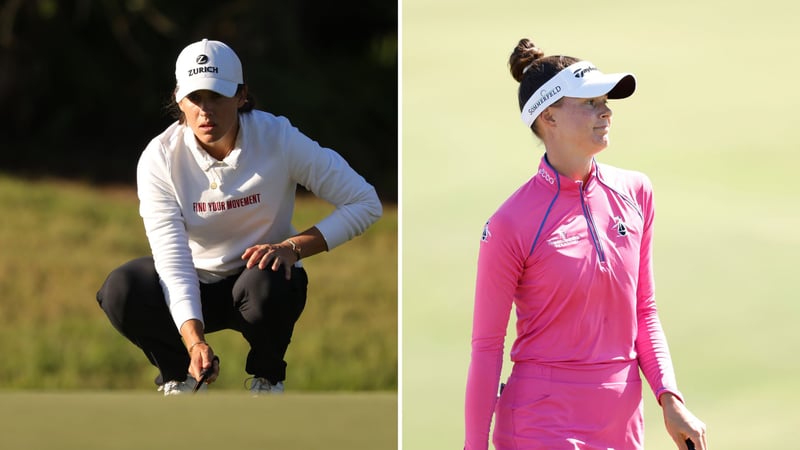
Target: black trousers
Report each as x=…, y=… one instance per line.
x=260, y=304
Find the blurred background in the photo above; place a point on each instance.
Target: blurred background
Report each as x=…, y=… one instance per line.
x=83, y=83
x=83, y=88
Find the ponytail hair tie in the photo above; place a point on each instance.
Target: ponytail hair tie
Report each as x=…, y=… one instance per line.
x=527, y=67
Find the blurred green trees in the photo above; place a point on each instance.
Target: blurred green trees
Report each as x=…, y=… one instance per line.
x=83, y=83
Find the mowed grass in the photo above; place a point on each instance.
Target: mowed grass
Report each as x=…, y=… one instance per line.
x=135, y=420
x=708, y=125
x=59, y=240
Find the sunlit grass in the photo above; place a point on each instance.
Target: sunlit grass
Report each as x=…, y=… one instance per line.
x=62, y=240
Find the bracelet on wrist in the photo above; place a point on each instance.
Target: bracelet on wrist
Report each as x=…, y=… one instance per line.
x=191, y=347
x=295, y=248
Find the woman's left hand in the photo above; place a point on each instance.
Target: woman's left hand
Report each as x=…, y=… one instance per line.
x=278, y=255
x=682, y=424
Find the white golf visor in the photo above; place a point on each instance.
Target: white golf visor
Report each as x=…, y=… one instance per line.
x=580, y=80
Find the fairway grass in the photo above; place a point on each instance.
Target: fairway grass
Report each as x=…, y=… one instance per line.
x=225, y=420
x=63, y=239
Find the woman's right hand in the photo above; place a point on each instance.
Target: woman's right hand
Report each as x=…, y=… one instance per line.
x=201, y=358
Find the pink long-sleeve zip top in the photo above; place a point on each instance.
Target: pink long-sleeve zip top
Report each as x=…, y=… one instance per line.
x=576, y=261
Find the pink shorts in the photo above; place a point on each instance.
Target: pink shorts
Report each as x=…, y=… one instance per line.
x=598, y=407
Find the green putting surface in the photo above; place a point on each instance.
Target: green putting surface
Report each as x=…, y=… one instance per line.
x=214, y=420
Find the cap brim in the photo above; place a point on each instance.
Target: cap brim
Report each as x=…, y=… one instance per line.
x=624, y=87
x=615, y=85
x=221, y=87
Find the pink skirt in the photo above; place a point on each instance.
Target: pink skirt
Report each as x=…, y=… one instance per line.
x=594, y=408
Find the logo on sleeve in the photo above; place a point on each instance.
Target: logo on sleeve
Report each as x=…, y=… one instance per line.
x=486, y=233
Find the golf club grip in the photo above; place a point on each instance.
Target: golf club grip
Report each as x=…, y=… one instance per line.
x=205, y=374
x=690, y=444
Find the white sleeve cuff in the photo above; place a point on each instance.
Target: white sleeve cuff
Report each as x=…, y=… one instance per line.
x=183, y=310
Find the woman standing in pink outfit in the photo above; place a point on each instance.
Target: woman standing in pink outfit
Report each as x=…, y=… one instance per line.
x=572, y=251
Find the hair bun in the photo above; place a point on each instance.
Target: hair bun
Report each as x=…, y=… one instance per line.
x=524, y=54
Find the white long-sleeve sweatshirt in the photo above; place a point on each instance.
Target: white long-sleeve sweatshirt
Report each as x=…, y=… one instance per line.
x=201, y=214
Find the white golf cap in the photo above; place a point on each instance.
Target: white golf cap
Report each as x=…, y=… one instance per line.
x=210, y=65
x=579, y=80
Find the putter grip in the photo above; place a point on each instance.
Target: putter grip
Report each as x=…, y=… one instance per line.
x=205, y=374
x=689, y=444
x=210, y=369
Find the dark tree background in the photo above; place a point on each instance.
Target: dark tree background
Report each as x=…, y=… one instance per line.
x=84, y=83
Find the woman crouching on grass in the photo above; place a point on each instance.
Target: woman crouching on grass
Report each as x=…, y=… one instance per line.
x=572, y=251
x=217, y=192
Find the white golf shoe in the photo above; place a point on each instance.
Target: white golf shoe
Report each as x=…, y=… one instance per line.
x=262, y=386
x=181, y=387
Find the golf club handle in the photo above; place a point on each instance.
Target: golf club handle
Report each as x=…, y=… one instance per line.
x=206, y=373
x=689, y=444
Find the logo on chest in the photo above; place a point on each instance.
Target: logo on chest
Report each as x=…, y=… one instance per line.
x=621, y=227
x=563, y=239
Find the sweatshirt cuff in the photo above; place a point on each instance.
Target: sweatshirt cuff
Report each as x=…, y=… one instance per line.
x=183, y=310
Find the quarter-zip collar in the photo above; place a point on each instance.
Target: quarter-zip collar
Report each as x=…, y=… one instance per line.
x=558, y=184
x=554, y=181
